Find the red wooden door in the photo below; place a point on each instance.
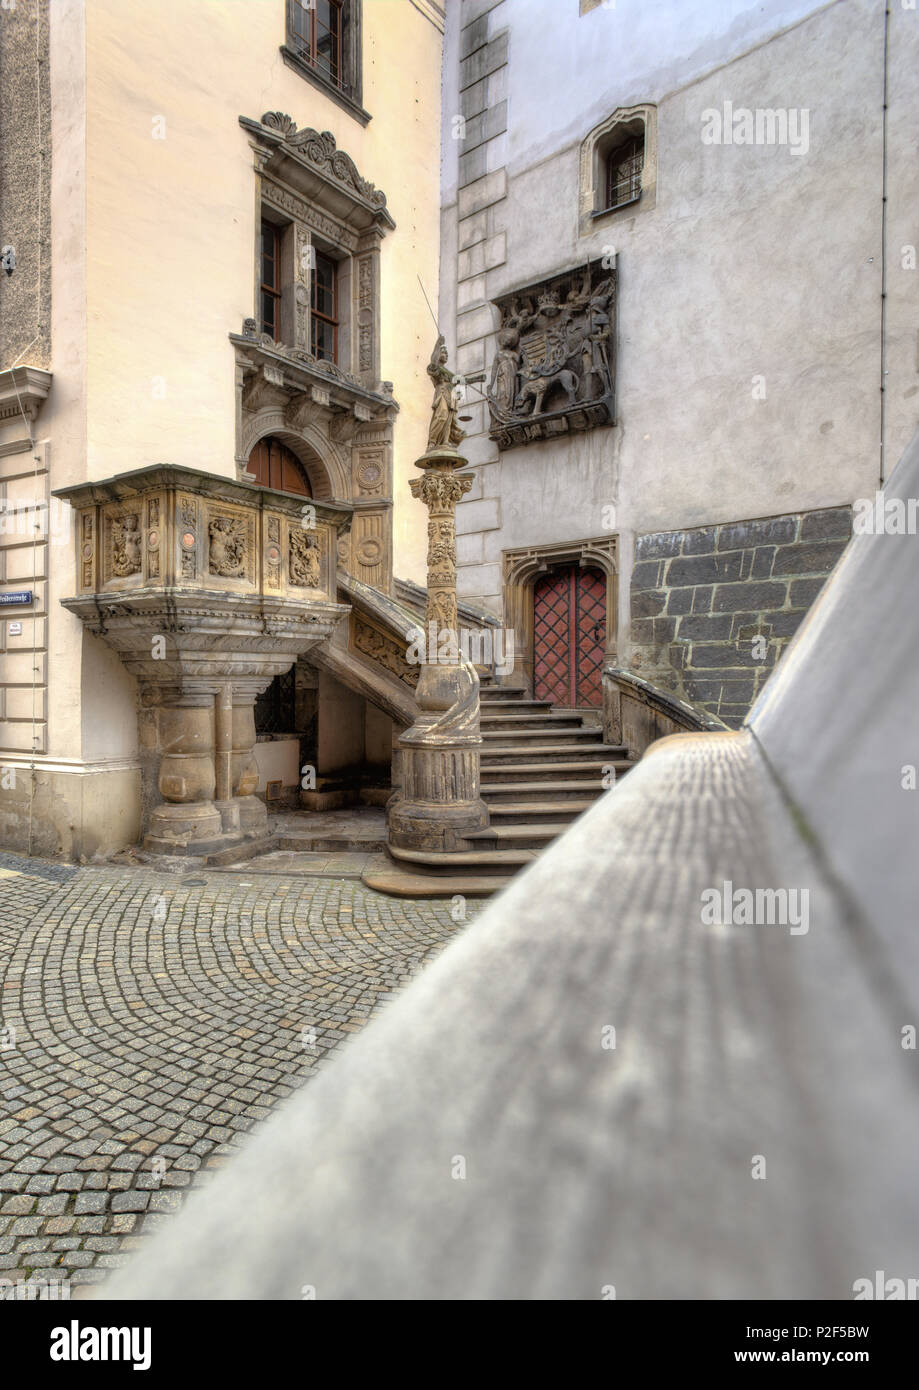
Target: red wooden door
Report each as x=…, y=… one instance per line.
x=274, y=465
x=569, y=635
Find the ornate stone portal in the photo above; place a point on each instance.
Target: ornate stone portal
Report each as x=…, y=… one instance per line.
x=554, y=370
x=207, y=589
x=439, y=802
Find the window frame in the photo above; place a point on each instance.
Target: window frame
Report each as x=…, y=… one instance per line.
x=334, y=321
x=624, y=151
x=311, y=55
x=273, y=291
x=598, y=148
x=347, y=91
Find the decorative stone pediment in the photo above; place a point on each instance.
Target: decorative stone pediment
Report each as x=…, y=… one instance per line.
x=273, y=373
x=554, y=369
x=310, y=163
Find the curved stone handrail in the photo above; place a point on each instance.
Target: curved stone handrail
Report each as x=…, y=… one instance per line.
x=636, y=712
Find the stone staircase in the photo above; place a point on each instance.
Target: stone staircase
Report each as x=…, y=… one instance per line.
x=540, y=768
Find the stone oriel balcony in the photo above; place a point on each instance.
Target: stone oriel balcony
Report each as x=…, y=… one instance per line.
x=207, y=588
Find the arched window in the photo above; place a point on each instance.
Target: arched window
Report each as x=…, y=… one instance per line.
x=618, y=167
x=274, y=465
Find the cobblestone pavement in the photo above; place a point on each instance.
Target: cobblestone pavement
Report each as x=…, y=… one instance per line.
x=146, y=1023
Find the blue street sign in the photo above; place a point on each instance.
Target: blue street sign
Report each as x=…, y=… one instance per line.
x=22, y=596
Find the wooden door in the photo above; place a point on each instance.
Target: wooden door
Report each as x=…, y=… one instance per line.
x=274, y=465
x=569, y=635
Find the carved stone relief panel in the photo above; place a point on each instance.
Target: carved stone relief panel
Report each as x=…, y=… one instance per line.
x=369, y=472
x=554, y=369
x=304, y=557
x=230, y=544
x=380, y=647
x=122, y=542
x=154, y=537
x=188, y=532
x=272, y=551
x=87, y=552
x=302, y=286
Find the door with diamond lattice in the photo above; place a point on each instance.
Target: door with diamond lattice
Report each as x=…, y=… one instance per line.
x=569, y=633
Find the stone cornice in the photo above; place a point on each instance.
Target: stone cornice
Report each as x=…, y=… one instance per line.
x=295, y=371
x=22, y=390
x=310, y=163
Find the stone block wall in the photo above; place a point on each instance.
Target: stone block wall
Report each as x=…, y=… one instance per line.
x=700, y=599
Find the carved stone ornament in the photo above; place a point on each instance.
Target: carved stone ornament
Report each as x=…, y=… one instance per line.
x=304, y=566
x=321, y=150
x=126, y=542
x=382, y=649
x=227, y=552
x=554, y=369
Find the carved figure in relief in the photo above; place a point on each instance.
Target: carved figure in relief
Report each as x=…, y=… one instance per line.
x=550, y=372
x=553, y=355
x=304, y=566
x=126, y=545
x=227, y=547
x=505, y=374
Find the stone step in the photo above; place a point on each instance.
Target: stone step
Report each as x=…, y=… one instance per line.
x=513, y=706
x=497, y=755
x=520, y=836
x=533, y=721
x=495, y=793
x=551, y=774
x=565, y=733
x=488, y=859
x=532, y=812
x=494, y=694
x=399, y=881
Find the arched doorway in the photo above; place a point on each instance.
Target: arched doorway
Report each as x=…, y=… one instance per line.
x=274, y=465
x=569, y=635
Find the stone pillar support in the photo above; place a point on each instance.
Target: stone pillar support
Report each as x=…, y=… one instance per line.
x=440, y=800
x=188, y=819
x=253, y=813
x=223, y=759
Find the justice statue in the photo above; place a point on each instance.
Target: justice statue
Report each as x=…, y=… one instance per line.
x=449, y=395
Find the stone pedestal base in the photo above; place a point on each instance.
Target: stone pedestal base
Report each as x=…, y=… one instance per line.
x=194, y=827
x=440, y=800
x=434, y=826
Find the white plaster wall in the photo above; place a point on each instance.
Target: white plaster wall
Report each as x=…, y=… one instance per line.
x=753, y=262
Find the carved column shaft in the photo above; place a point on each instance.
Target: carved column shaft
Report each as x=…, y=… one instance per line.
x=439, y=802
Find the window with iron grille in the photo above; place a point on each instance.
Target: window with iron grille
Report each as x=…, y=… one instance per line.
x=324, y=46
x=315, y=35
x=324, y=316
x=623, y=171
x=276, y=707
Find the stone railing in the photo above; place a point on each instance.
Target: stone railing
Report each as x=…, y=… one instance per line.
x=636, y=713
x=207, y=589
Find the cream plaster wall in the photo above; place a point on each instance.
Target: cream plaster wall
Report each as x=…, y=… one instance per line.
x=171, y=222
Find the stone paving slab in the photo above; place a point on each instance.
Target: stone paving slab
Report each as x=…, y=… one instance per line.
x=147, y=1023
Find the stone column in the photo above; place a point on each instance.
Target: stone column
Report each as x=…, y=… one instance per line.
x=440, y=799
x=223, y=760
x=253, y=813
x=187, y=821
